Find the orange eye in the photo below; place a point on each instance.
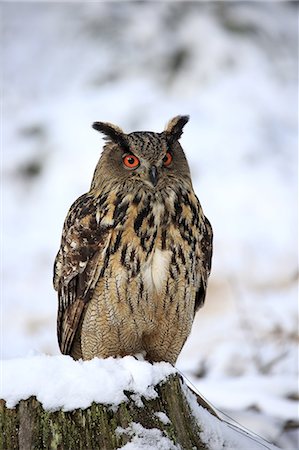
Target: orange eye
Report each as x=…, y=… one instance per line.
x=131, y=161
x=167, y=159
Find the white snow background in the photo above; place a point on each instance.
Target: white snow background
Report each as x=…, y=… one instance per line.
x=233, y=68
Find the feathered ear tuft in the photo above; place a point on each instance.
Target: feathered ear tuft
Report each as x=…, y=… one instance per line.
x=175, y=127
x=112, y=132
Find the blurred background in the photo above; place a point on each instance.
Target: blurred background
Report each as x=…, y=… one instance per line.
x=233, y=68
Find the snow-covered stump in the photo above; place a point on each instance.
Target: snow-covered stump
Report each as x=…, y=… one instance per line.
x=166, y=421
x=58, y=403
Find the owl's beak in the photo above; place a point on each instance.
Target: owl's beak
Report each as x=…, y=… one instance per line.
x=153, y=174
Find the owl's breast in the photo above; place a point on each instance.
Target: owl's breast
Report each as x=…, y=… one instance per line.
x=148, y=250
x=156, y=270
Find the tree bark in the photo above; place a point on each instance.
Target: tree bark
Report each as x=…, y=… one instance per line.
x=29, y=427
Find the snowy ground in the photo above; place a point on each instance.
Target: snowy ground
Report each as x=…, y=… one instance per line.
x=233, y=68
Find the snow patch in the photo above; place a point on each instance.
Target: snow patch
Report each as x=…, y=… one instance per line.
x=162, y=417
x=59, y=382
x=146, y=439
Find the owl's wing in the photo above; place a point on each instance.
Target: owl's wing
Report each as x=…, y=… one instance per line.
x=75, y=266
x=206, y=244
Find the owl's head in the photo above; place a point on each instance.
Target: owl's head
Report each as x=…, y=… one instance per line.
x=142, y=158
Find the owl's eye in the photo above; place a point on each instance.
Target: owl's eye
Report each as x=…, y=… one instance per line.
x=167, y=159
x=131, y=161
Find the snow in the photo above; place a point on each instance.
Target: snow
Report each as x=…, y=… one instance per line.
x=270, y=394
x=233, y=68
x=264, y=401
x=162, y=417
x=146, y=439
x=59, y=382
x=217, y=434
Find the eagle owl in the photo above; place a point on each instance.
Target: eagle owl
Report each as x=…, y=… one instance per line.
x=135, y=252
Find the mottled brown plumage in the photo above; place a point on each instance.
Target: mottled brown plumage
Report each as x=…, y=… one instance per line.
x=135, y=253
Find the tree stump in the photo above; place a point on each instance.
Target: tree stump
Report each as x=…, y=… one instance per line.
x=29, y=426
x=167, y=422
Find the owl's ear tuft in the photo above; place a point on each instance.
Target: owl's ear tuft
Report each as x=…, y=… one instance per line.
x=111, y=132
x=175, y=127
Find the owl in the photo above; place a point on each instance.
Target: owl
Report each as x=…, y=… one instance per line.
x=135, y=253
